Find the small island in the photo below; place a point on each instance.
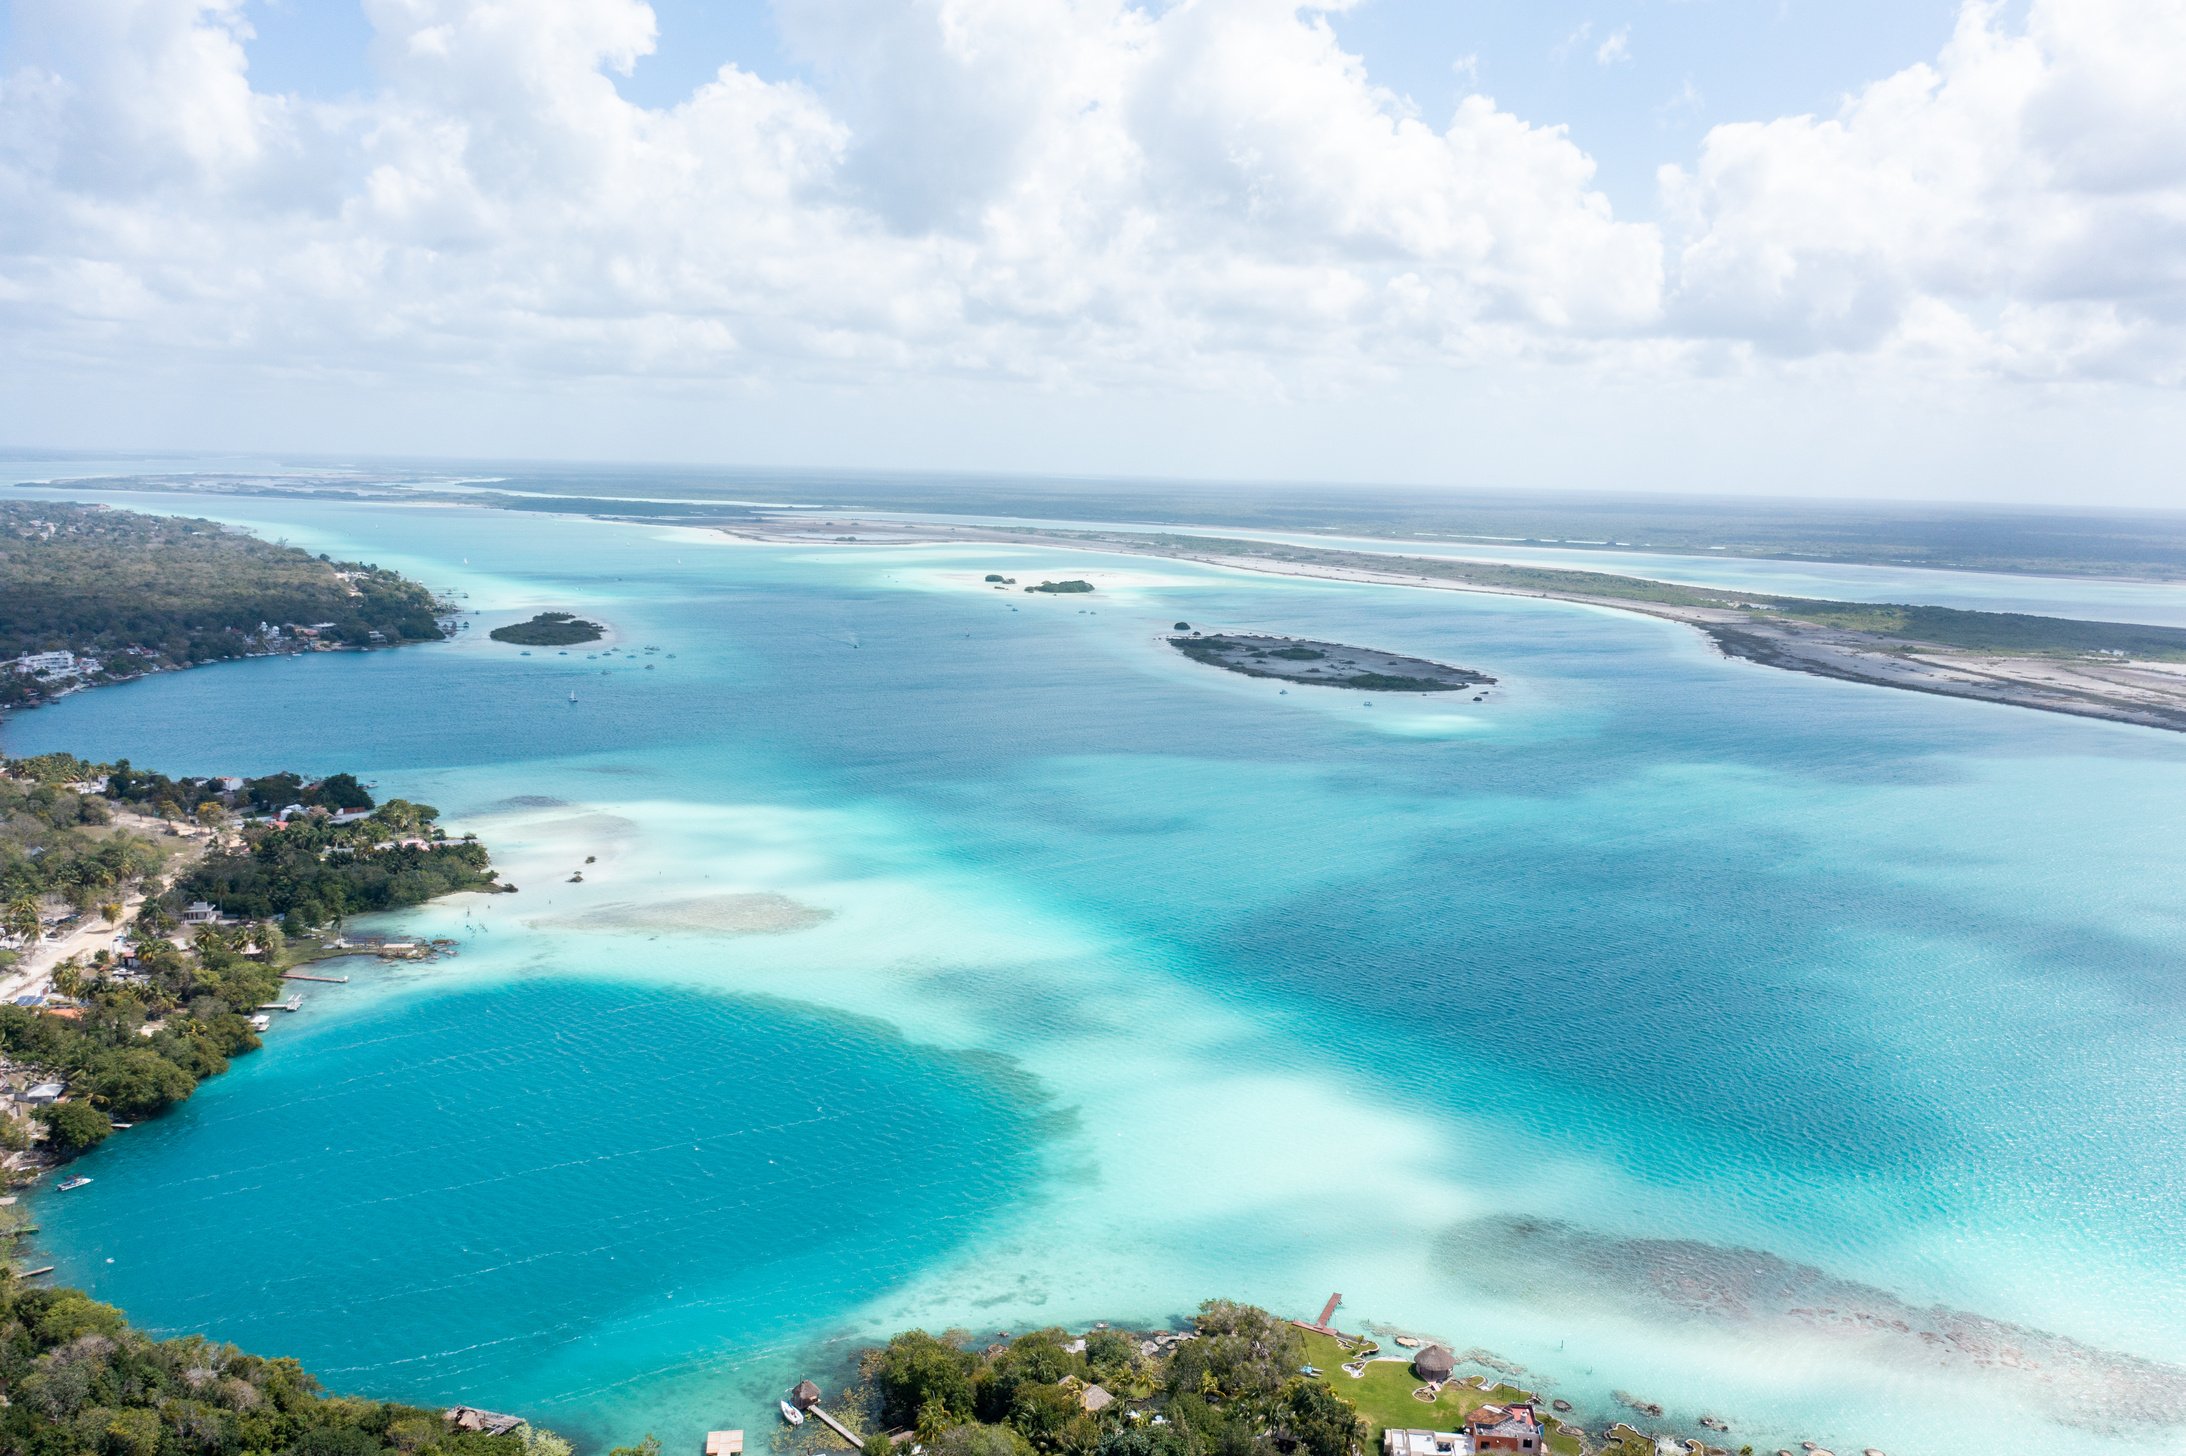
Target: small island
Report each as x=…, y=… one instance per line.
x=1061, y=588
x=1327, y=664
x=549, y=629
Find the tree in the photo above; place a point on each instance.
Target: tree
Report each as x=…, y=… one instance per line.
x=977, y=1440
x=341, y=791
x=137, y=1082
x=21, y=919
x=1241, y=1350
x=1318, y=1420
x=916, y=1370
x=73, y=1127
x=1045, y=1415
x=210, y=813
x=111, y=912
x=1112, y=1355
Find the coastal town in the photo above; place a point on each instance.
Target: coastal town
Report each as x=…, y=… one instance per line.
x=151, y=928
x=96, y=595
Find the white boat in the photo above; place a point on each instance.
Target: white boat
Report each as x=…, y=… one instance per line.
x=573, y=697
x=260, y=1022
x=67, y=1183
x=790, y=1413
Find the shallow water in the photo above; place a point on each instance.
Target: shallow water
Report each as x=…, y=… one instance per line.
x=1784, y=1012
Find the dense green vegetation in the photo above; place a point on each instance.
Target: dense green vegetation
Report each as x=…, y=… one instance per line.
x=81, y=1382
x=1235, y=1389
x=54, y=843
x=1062, y=588
x=1991, y=632
x=311, y=871
x=139, y=1034
x=140, y=593
x=549, y=629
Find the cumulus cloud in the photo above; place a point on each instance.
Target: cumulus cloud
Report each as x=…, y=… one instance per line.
x=1207, y=193
x=2018, y=206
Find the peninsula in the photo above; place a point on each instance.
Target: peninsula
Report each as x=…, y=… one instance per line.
x=549, y=629
x=91, y=595
x=1326, y=664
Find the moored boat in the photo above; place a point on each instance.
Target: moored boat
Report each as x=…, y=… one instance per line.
x=67, y=1183
x=790, y=1413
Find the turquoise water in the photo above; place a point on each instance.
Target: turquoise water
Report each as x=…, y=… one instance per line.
x=1786, y=1049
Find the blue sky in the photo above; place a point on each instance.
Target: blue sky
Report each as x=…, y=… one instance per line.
x=1916, y=248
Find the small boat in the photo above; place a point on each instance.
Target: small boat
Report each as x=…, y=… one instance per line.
x=260, y=1022
x=790, y=1413
x=573, y=697
x=68, y=1183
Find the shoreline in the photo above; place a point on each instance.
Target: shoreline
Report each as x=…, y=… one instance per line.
x=2137, y=695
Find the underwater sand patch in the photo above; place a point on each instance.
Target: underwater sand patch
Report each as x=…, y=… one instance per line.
x=759, y=913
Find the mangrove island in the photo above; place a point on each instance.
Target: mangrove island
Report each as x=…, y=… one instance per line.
x=549, y=629
x=1327, y=664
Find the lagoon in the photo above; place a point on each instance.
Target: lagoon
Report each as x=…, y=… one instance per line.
x=1618, y=1025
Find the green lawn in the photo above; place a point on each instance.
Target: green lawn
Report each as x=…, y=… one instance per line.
x=1384, y=1395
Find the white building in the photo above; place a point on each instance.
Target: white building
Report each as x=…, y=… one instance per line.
x=46, y=664
x=1425, y=1443
x=199, y=912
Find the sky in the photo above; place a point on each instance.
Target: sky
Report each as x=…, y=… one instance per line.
x=1901, y=248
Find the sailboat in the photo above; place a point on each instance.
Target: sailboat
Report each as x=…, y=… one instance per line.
x=573, y=695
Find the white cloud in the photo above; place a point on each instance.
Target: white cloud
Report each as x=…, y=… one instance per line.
x=1077, y=193
x=1617, y=48
x=2018, y=207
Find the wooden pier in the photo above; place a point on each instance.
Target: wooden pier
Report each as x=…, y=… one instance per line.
x=328, y=980
x=34, y=1273
x=293, y=1003
x=857, y=1443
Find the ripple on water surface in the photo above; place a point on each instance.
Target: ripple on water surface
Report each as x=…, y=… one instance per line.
x=534, y=1195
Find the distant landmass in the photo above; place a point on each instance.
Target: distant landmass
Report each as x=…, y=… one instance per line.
x=549, y=629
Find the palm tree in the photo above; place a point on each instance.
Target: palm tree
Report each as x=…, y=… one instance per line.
x=21, y=919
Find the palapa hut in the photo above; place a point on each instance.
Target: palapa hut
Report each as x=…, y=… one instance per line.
x=1434, y=1364
x=805, y=1396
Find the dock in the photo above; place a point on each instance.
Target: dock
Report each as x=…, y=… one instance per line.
x=856, y=1441
x=328, y=980
x=1322, y=1326
x=34, y=1273
x=293, y=1003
